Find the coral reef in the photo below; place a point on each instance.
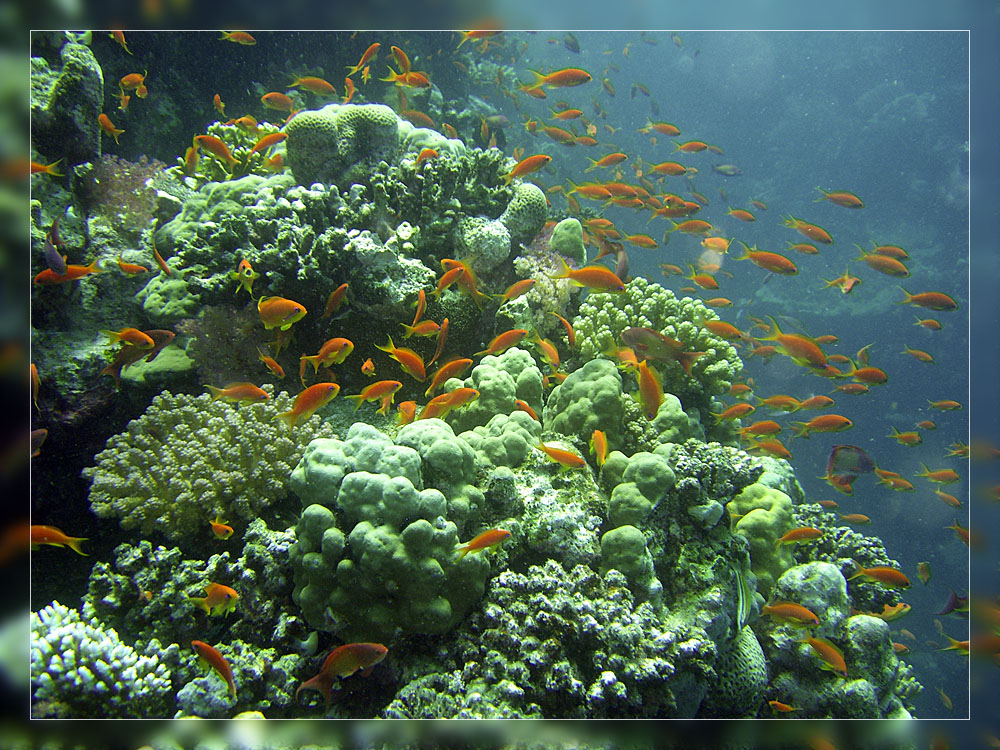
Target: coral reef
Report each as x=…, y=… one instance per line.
x=376, y=540
x=81, y=669
x=65, y=104
x=500, y=380
x=603, y=317
x=121, y=192
x=188, y=458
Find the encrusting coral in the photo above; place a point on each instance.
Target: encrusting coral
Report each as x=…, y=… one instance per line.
x=188, y=457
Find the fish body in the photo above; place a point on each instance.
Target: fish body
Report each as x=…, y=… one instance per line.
x=487, y=540
x=307, y=402
x=239, y=393
x=213, y=659
x=218, y=599
x=55, y=537
x=278, y=312
x=343, y=662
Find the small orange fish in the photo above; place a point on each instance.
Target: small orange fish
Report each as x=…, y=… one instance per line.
x=131, y=336
x=342, y=662
x=109, y=127
x=736, y=411
x=940, y=476
x=307, y=402
x=812, y=231
x=213, y=659
x=240, y=37
x=131, y=269
x=452, y=369
x=801, y=534
x=906, y=438
x=239, y=393
x=365, y=58
x=516, y=289
x=411, y=362
x=278, y=312
x=277, y=100
x=825, y=423
x=266, y=142
x=218, y=599
x=376, y=391
x=216, y=148
x=880, y=574
x=425, y=155
x=487, y=540
x=917, y=354
x=690, y=147
x=246, y=276
x=741, y=214
x=831, y=656
x=790, y=613
x=596, y=277
x=119, y=36
x=526, y=166
x=856, y=518
x=314, y=85
x=406, y=412
x=945, y=405
x=504, y=341
x=599, y=446
x=605, y=161
x=559, y=78
x=337, y=297
x=442, y=337
x=841, y=198
x=424, y=328
x=332, y=352
x=883, y=263
x=55, y=537
x=220, y=529
x=781, y=707
x=565, y=459
x=773, y=262
x=219, y=105
x=49, y=169
x=349, y=90
x=524, y=406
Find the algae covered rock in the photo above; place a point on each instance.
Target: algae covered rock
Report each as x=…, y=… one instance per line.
x=64, y=116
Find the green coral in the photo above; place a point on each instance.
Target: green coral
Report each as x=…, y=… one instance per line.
x=526, y=213
x=567, y=240
x=341, y=143
x=376, y=542
x=763, y=515
x=506, y=440
x=187, y=458
x=624, y=549
x=500, y=381
x=167, y=299
x=603, y=317
x=240, y=143
x=589, y=399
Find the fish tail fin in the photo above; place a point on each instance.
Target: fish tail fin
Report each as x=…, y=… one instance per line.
x=463, y=551
x=73, y=543
x=746, y=251
x=563, y=271
x=289, y=418
x=822, y=197
x=94, y=267
x=202, y=602
x=393, y=76
x=508, y=177
x=907, y=295
x=113, y=335
x=857, y=570
x=593, y=165
x=537, y=79
x=801, y=430
x=359, y=400
x=677, y=146
x=216, y=392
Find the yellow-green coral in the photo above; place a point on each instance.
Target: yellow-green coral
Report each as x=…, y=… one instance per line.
x=240, y=143
x=762, y=515
x=188, y=458
x=603, y=317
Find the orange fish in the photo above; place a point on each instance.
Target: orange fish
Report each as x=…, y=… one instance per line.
x=504, y=341
x=307, y=402
x=240, y=37
x=278, y=312
x=342, y=662
x=764, y=427
x=945, y=405
x=487, y=540
x=239, y=393
x=333, y=352
x=442, y=337
x=690, y=147
x=452, y=369
x=801, y=349
x=423, y=328
x=425, y=155
x=246, y=276
x=55, y=537
x=572, y=114
x=650, y=389
x=918, y=354
x=218, y=599
x=773, y=262
x=383, y=389
x=406, y=412
x=831, y=656
x=220, y=107
x=880, y=574
x=855, y=518
x=801, y=534
x=475, y=35
x=742, y=215
x=940, y=476
x=314, y=85
x=596, y=277
x=526, y=408
x=133, y=82
x=213, y=659
x=516, y=289
x=722, y=329
x=131, y=269
x=570, y=333
x=803, y=247
x=642, y=240
x=781, y=707
x=119, y=36
x=845, y=283
x=220, y=529
x=348, y=91
x=271, y=364
x=49, y=169
x=527, y=166
x=337, y=297
x=131, y=336
x=277, y=100
x=559, y=78
x=411, y=362
x=266, y=142
x=815, y=402
x=841, y=198
x=605, y=161
x=217, y=148
x=825, y=423
x=906, y=438
x=109, y=127
x=365, y=58
x=664, y=128
x=812, y=231
x=599, y=446
x=565, y=459
x=790, y=613
x=947, y=499
x=883, y=264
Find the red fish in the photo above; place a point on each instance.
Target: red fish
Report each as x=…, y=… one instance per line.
x=212, y=658
x=240, y=37
x=109, y=127
x=49, y=277
x=343, y=662
x=307, y=402
x=55, y=537
x=559, y=78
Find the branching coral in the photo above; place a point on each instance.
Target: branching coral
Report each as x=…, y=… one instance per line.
x=188, y=458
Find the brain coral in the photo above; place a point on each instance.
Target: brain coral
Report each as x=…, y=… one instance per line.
x=188, y=457
x=741, y=674
x=603, y=317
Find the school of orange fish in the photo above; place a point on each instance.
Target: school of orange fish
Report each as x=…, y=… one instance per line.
x=656, y=190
